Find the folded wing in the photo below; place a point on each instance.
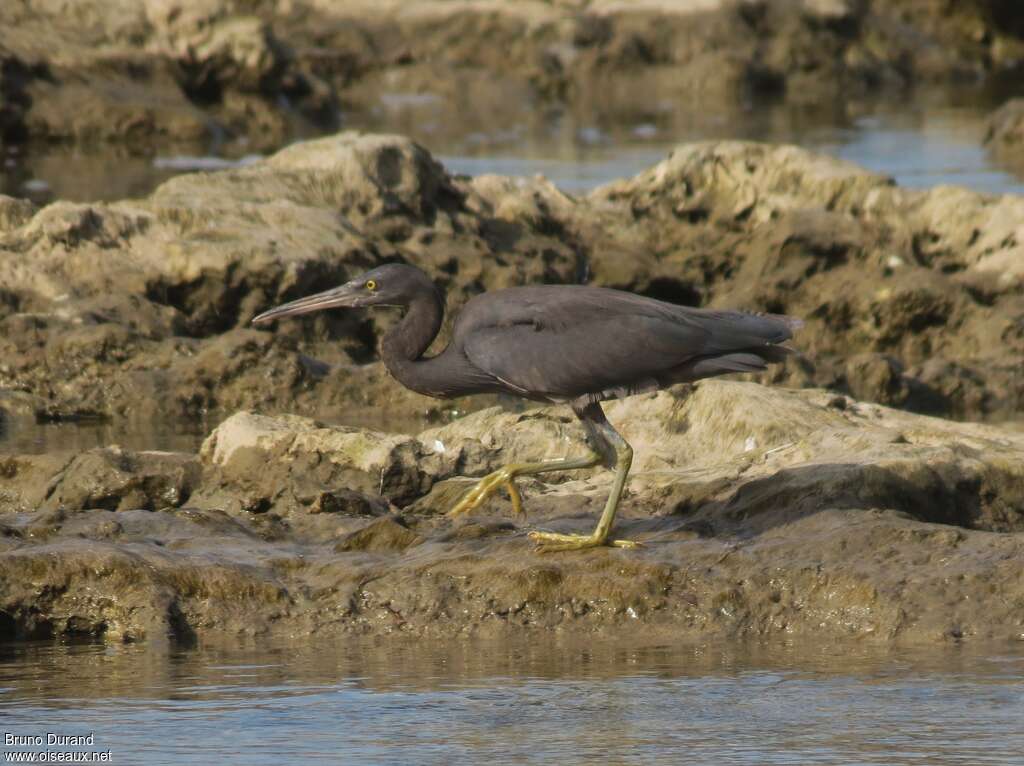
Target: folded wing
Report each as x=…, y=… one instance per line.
x=570, y=342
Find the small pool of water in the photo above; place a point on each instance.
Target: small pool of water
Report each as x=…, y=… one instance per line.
x=940, y=145
x=25, y=437
x=545, y=701
x=934, y=136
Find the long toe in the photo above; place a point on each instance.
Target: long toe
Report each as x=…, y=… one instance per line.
x=515, y=497
x=473, y=498
x=486, y=487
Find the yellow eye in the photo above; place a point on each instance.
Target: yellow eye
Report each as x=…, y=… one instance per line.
x=371, y=285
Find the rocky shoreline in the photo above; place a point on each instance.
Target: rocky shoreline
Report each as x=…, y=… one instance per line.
x=765, y=513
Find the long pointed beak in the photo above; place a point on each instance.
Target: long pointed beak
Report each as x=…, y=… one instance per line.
x=346, y=296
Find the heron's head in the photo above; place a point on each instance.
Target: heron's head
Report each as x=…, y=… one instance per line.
x=393, y=284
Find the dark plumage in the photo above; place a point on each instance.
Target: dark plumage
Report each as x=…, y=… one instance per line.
x=558, y=343
x=575, y=343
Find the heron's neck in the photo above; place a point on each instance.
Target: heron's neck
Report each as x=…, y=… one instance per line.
x=403, y=347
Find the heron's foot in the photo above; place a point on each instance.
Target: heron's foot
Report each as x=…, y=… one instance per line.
x=487, y=486
x=548, y=542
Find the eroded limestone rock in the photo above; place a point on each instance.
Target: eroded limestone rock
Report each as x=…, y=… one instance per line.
x=173, y=72
x=141, y=308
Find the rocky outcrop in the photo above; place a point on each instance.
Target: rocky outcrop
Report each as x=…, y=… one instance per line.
x=911, y=298
x=763, y=512
x=188, y=73
x=830, y=511
x=141, y=308
x=145, y=74
x=162, y=290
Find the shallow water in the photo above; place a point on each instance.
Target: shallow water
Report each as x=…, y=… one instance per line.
x=24, y=437
x=394, y=701
x=932, y=137
x=920, y=146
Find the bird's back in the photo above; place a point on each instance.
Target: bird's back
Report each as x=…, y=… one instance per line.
x=566, y=342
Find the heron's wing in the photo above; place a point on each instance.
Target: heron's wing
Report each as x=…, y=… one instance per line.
x=566, y=342
x=627, y=352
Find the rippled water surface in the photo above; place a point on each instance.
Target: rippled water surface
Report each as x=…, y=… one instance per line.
x=392, y=701
x=919, y=148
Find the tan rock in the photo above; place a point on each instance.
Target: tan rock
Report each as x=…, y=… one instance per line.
x=274, y=461
x=157, y=293
x=1004, y=135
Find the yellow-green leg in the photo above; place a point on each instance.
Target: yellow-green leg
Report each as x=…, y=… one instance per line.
x=612, y=450
x=599, y=428
x=553, y=541
x=506, y=475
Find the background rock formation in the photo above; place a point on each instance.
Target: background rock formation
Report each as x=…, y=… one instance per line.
x=832, y=509
x=142, y=307
x=1005, y=134
x=168, y=72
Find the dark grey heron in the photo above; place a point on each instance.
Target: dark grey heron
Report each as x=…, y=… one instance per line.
x=554, y=343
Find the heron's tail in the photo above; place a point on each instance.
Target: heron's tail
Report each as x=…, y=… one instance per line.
x=739, y=342
x=729, y=331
